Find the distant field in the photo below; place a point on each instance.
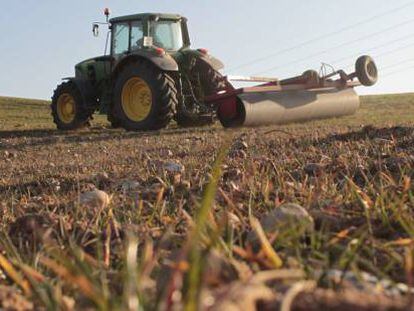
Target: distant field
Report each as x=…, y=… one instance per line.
x=387, y=108
x=19, y=113
x=178, y=231
x=16, y=113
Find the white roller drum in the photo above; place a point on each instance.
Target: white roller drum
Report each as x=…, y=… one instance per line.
x=266, y=108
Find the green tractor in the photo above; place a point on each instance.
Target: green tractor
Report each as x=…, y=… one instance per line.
x=150, y=77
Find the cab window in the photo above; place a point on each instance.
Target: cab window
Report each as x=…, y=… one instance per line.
x=167, y=34
x=121, y=38
x=137, y=35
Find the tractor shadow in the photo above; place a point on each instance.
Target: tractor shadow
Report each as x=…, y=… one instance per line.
x=46, y=137
x=29, y=133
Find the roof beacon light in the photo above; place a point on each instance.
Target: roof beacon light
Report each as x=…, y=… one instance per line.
x=107, y=12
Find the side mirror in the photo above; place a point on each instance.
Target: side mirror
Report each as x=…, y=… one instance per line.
x=95, y=30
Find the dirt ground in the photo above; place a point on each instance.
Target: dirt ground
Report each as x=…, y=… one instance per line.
x=176, y=230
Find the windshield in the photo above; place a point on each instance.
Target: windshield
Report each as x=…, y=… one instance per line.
x=167, y=34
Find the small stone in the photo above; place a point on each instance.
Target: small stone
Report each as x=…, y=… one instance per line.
x=239, y=295
x=218, y=271
x=364, y=281
x=68, y=302
x=286, y=218
x=232, y=219
x=171, y=167
x=130, y=185
x=95, y=199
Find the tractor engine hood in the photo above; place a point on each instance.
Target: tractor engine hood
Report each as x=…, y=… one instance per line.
x=81, y=68
x=105, y=58
x=94, y=69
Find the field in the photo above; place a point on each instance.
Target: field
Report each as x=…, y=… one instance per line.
x=194, y=216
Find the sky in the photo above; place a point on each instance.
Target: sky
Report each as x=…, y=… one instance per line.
x=42, y=40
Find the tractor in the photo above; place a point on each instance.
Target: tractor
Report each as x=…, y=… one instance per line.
x=150, y=77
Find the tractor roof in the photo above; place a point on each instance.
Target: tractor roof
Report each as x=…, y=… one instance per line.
x=145, y=16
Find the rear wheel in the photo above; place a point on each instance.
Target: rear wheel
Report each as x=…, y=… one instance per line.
x=68, y=107
x=144, y=98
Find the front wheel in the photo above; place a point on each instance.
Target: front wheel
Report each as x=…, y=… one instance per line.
x=144, y=98
x=68, y=107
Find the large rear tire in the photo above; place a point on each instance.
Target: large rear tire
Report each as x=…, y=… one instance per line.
x=144, y=98
x=68, y=108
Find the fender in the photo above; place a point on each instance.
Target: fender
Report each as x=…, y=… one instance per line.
x=215, y=63
x=164, y=62
x=87, y=90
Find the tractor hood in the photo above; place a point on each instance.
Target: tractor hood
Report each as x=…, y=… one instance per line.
x=93, y=60
x=96, y=68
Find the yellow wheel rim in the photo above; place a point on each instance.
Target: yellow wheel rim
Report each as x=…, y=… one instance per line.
x=136, y=99
x=66, y=108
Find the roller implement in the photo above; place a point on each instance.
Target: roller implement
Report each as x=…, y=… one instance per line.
x=307, y=97
x=151, y=76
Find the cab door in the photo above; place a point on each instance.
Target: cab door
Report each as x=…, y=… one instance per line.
x=120, y=40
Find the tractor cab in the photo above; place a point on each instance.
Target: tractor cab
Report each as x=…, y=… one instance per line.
x=148, y=31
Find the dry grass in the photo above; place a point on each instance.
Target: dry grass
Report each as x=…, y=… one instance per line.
x=169, y=241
